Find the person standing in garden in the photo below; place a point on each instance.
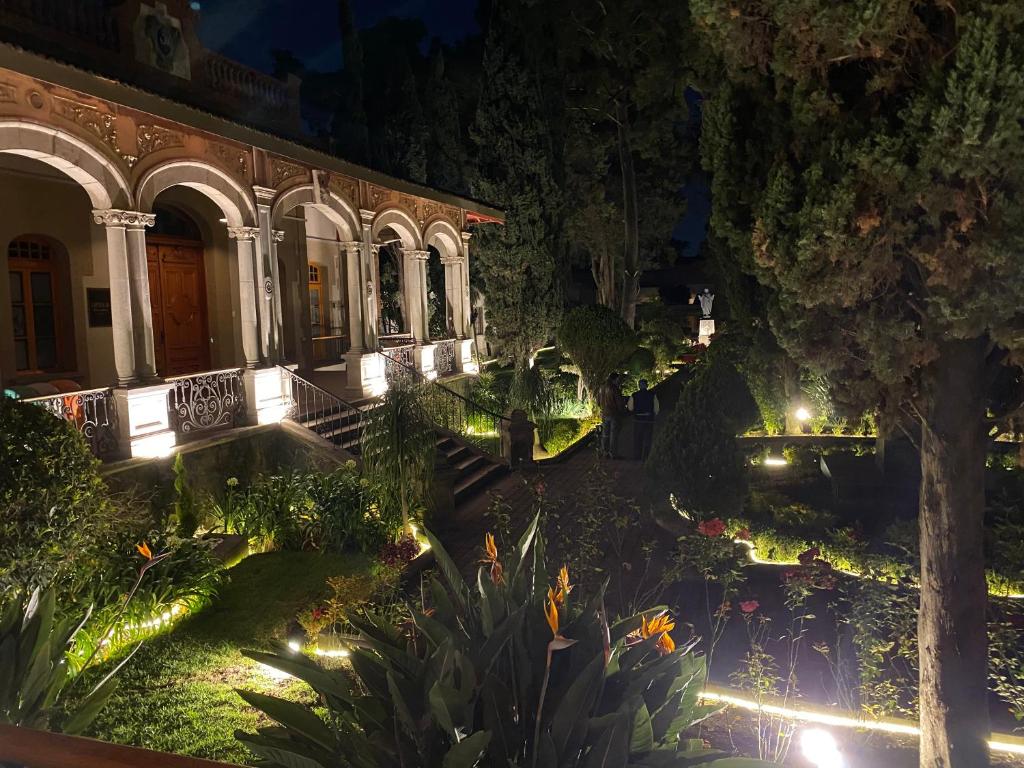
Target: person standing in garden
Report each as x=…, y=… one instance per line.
x=609, y=400
x=644, y=406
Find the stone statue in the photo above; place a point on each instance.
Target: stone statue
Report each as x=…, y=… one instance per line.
x=706, y=299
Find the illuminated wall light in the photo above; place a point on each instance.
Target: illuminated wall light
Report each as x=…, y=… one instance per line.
x=820, y=748
x=155, y=446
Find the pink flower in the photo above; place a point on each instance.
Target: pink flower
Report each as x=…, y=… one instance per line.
x=743, y=534
x=712, y=528
x=749, y=606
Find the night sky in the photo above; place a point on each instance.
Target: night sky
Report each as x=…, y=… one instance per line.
x=247, y=30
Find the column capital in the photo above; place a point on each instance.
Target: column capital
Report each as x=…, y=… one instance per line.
x=264, y=194
x=114, y=217
x=367, y=216
x=243, y=233
x=466, y=236
x=351, y=245
x=456, y=258
x=417, y=255
x=277, y=235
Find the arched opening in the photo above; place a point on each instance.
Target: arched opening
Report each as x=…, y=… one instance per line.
x=42, y=323
x=55, y=312
x=392, y=313
x=313, y=274
x=175, y=255
x=439, y=307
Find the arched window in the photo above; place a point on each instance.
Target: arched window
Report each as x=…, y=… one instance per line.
x=39, y=306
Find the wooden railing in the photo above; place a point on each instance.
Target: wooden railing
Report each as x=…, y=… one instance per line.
x=329, y=349
x=42, y=749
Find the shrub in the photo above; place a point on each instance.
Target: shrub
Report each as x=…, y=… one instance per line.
x=332, y=511
x=694, y=455
x=597, y=340
x=641, y=362
x=496, y=675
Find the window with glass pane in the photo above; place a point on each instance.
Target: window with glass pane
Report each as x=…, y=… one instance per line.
x=34, y=309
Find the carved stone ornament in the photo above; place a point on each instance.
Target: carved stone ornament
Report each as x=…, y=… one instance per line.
x=281, y=170
x=345, y=187
x=268, y=287
x=101, y=124
x=153, y=138
x=8, y=93
x=418, y=255
x=264, y=194
x=369, y=289
x=277, y=235
x=457, y=258
x=113, y=217
x=243, y=233
x=234, y=159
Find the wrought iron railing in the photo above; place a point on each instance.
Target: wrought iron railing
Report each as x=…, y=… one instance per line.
x=444, y=356
x=398, y=362
x=324, y=413
x=453, y=412
x=91, y=412
x=328, y=349
x=205, y=402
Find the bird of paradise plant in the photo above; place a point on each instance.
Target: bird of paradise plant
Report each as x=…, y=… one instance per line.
x=455, y=686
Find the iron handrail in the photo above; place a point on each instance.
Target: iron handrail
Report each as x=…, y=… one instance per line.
x=423, y=379
x=317, y=409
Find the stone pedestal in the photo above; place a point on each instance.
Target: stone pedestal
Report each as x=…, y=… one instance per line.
x=464, y=362
x=365, y=372
x=705, y=331
x=144, y=424
x=267, y=396
x=423, y=357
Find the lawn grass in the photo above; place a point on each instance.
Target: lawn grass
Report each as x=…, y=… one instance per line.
x=177, y=694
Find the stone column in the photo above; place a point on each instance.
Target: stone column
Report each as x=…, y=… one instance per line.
x=466, y=331
x=368, y=278
x=245, y=238
x=355, y=297
x=416, y=294
x=142, y=306
x=263, y=274
x=337, y=291
x=277, y=312
x=116, y=221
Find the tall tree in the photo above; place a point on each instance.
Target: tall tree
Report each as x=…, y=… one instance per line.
x=517, y=262
x=350, y=127
x=868, y=165
x=446, y=160
x=628, y=66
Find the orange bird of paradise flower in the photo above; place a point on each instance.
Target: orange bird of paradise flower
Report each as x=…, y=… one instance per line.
x=564, y=587
x=491, y=557
x=660, y=625
x=144, y=550
x=551, y=611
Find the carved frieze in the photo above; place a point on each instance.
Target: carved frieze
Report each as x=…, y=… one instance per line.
x=114, y=217
x=8, y=93
x=153, y=138
x=102, y=125
x=243, y=233
x=235, y=160
x=345, y=187
x=282, y=170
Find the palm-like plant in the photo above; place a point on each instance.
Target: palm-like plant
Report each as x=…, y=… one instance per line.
x=33, y=667
x=510, y=672
x=398, y=447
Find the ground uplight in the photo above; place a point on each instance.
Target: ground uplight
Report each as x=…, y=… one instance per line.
x=820, y=748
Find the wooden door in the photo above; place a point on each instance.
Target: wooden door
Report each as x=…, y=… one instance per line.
x=177, y=289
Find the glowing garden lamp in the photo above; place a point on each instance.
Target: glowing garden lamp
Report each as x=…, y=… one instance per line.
x=802, y=414
x=820, y=748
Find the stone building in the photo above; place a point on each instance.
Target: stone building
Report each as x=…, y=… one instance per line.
x=175, y=252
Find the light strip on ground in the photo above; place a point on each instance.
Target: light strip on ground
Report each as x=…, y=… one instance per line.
x=999, y=743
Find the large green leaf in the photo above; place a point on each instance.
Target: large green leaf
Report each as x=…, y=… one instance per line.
x=466, y=753
x=641, y=740
x=450, y=571
x=90, y=707
x=293, y=716
x=569, y=724
x=611, y=750
x=279, y=754
x=328, y=682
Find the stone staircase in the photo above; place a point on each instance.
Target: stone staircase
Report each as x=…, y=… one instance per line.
x=472, y=471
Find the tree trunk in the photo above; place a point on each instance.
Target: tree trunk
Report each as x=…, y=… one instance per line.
x=952, y=633
x=794, y=395
x=631, y=260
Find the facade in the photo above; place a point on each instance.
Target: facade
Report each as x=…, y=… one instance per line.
x=166, y=268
